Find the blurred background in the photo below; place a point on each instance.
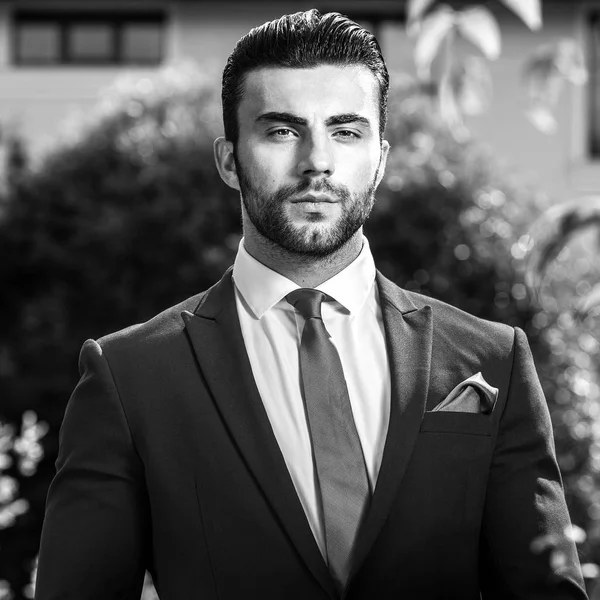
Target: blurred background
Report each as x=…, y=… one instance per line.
x=111, y=208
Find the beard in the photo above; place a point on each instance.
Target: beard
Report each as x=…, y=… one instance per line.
x=267, y=212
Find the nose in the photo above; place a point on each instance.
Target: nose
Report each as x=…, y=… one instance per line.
x=316, y=157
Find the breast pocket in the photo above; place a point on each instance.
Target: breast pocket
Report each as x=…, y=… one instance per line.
x=457, y=422
x=449, y=469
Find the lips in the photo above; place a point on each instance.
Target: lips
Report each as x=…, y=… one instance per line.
x=314, y=199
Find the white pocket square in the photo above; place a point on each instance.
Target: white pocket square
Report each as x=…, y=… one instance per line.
x=473, y=395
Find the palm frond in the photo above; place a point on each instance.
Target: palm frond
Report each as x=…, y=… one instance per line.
x=551, y=233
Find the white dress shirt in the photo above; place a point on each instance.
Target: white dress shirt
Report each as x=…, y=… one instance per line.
x=272, y=330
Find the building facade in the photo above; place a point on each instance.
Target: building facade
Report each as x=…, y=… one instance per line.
x=56, y=57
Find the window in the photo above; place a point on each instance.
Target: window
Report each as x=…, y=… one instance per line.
x=88, y=38
x=594, y=86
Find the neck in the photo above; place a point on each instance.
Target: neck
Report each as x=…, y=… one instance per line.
x=305, y=271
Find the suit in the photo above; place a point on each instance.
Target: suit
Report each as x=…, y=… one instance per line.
x=168, y=462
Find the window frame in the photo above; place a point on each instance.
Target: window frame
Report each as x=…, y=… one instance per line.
x=593, y=92
x=65, y=20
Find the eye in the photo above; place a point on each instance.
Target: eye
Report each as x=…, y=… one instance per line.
x=281, y=133
x=347, y=134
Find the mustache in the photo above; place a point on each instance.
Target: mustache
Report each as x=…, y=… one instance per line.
x=308, y=186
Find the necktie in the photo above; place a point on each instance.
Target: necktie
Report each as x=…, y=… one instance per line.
x=337, y=452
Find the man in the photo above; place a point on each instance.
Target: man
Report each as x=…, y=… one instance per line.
x=305, y=428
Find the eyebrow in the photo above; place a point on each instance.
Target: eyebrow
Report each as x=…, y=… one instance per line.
x=283, y=117
x=348, y=118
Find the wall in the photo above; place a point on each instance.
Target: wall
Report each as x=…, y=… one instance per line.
x=39, y=100
x=556, y=163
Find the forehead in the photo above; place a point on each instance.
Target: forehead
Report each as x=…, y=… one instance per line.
x=312, y=93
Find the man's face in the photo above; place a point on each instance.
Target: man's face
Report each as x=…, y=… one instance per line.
x=308, y=156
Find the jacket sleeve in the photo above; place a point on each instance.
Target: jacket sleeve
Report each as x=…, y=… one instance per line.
x=526, y=554
x=96, y=525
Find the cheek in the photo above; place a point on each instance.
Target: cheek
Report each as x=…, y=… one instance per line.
x=356, y=175
x=358, y=165
x=266, y=167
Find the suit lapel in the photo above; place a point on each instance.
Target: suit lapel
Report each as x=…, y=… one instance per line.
x=408, y=332
x=216, y=336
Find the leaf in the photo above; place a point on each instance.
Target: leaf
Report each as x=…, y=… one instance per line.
x=590, y=300
x=564, y=58
x=479, y=26
x=542, y=118
x=553, y=230
x=434, y=29
x=473, y=86
x=546, y=73
x=543, y=78
x=529, y=11
x=465, y=90
x=570, y=61
x=449, y=108
x=416, y=9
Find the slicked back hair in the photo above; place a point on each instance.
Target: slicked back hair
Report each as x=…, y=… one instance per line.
x=301, y=40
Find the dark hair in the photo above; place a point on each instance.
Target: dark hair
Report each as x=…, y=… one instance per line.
x=299, y=41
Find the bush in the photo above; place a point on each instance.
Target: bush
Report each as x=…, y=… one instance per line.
x=125, y=217
x=452, y=224
x=129, y=216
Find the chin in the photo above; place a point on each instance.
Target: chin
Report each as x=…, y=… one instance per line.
x=314, y=241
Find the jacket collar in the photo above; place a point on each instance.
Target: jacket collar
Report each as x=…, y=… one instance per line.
x=262, y=288
x=216, y=337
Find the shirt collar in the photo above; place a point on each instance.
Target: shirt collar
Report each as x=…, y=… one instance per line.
x=262, y=288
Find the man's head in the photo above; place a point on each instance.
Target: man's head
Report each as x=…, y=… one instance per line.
x=304, y=108
x=301, y=41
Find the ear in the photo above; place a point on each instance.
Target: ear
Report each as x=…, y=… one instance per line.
x=385, y=149
x=225, y=162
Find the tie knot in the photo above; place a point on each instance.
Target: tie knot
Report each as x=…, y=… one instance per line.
x=307, y=302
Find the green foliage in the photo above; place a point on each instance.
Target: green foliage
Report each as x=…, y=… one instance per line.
x=552, y=233
x=569, y=366
x=448, y=222
x=464, y=85
x=124, y=218
x=563, y=272
x=129, y=216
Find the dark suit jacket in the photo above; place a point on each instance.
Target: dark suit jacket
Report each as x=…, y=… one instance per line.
x=168, y=462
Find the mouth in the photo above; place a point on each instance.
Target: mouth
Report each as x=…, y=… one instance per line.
x=314, y=199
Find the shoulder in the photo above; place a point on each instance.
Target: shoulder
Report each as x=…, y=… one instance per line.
x=453, y=327
x=455, y=319
x=163, y=338
x=162, y=330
